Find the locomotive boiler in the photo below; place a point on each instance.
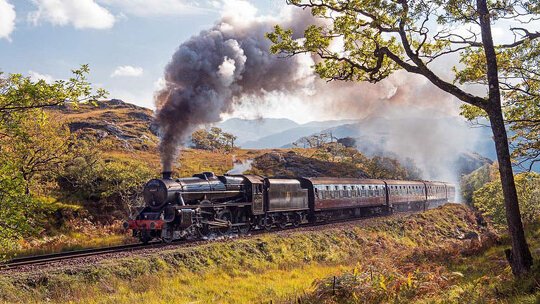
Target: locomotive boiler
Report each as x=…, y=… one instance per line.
x=206, y=204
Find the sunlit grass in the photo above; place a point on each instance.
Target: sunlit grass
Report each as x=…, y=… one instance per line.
x=267, y=268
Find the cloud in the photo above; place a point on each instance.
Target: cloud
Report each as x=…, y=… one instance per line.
x=35, y=76
x=128, y=71
x=7, y=19
x=147, y=8
x=81, y=14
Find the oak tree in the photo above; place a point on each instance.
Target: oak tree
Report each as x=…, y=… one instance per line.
x=383, y=36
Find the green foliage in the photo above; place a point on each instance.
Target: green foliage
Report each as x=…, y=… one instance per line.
x=19, y=93
x=476, y=180
x=214, y=139
x=32, y=146
x=93, y=178
x=489, y=198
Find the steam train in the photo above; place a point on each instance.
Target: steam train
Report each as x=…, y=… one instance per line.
x=208, y=204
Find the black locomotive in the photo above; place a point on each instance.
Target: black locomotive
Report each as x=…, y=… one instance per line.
x=205, y=203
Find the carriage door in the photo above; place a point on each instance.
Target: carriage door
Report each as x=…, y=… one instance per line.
x=257, y=198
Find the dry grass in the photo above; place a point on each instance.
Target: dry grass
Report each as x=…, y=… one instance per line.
x=271, y=267
x=76, y=234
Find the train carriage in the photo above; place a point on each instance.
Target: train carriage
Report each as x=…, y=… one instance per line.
x=450, y=193
x=436, y=194
x=406, y=195
x=340, y=197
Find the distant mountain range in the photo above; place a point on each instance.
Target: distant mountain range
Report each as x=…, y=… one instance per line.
x=274, y=132
x=282, y=132
x=440, y=147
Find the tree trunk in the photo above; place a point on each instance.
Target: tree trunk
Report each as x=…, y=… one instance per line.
x=519, y=257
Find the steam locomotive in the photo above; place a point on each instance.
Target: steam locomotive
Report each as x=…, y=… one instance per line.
x=208, y=204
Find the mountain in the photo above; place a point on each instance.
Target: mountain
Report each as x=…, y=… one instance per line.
x=287, y=136
x=252, y=129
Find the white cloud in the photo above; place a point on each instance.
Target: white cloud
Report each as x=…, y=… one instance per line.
x=7, y=19
x=35, y=76
x=81, y=14
x=159, y=84
x=127, y=70
x=238, y=9
x=147, y=8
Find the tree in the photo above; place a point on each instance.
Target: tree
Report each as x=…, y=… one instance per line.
x=385, y=167
x=380, y=37
x=19, y=93
x=37, y=144
x=31, y=143
x=214, y=139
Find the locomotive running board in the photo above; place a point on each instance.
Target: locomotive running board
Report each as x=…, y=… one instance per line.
x=218, y=223
x=214, y=205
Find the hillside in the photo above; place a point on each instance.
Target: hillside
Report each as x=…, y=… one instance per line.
x=128, y=126
x=293, y=164
x=416, y=258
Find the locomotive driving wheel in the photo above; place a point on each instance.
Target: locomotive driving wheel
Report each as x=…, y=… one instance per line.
x=203, y=230
x=168, y=236
x=224, y=215
x=242, y=218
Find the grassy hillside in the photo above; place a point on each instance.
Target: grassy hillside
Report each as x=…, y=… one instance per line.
x=283, y=267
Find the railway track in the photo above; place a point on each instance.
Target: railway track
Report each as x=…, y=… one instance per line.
x=54, y=257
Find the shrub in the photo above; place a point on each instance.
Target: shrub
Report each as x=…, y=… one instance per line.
x=489, y=199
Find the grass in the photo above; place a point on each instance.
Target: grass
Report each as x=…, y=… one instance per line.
x=275, y=267
x=79, y=235
x=481, y=275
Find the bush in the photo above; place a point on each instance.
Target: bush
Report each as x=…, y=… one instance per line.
x=489, y=199
x=112, y=186
x=476, y=180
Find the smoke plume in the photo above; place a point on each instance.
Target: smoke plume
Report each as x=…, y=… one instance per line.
x=220, y=67
x=229, y=65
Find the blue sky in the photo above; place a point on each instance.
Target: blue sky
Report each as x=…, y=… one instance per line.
x=48, y=38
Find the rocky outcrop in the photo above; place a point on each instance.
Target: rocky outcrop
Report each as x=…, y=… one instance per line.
x=291, y=164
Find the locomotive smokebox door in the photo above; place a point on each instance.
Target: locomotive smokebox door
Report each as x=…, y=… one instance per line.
x=186, y=218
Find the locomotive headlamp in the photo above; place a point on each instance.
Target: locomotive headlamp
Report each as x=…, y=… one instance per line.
x=125, y=225
x=153, y=225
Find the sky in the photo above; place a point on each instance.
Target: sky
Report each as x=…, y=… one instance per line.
x=127, y=43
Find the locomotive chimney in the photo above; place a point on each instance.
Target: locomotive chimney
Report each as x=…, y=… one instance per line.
x=167, y=174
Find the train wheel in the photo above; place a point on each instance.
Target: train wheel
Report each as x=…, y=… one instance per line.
x=203, y=231
x=242, y=218
x=282, y=222
x=224, y=215
x=169, y=235
x=145, y=237
x=267, y=223
x=297, y=220
x=244, y=229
